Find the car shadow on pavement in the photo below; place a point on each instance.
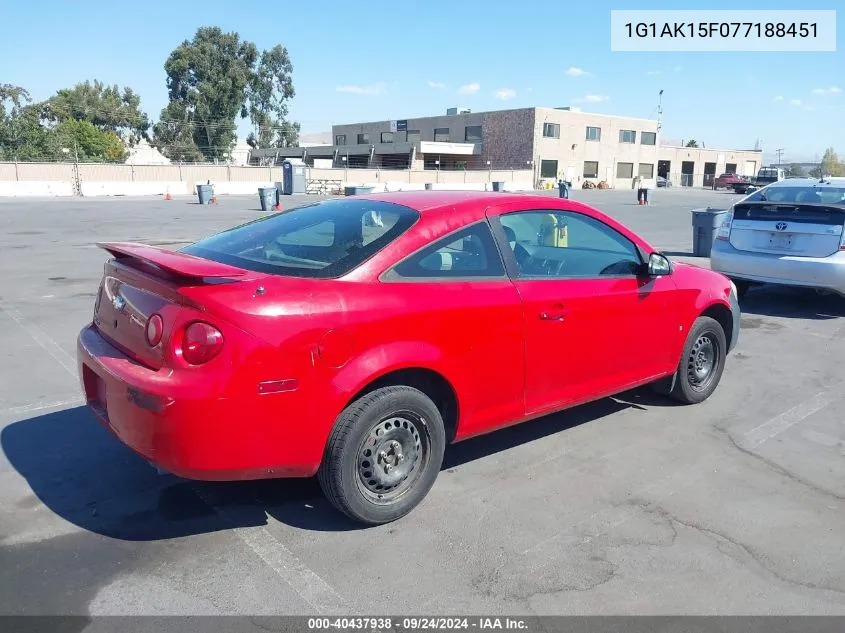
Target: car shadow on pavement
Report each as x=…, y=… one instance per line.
x=792, y=303
x=83, y=474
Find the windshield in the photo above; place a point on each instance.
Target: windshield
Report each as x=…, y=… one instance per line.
x=323, y=240
x=805, y=195
x=767, y=173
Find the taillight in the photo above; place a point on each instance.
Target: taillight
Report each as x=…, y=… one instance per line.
x=154, y=330
x=724, y=232
x=842, y=241
x=201, y=343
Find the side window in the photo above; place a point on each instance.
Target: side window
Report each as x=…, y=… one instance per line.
x=564, y=245
x=470, y=252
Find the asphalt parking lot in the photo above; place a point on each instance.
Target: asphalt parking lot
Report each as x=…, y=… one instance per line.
x=630, y=505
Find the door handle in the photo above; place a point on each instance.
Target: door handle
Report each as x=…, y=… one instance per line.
x=552, y=316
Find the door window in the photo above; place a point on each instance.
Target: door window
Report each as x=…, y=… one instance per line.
x=470, y=252
x=564, y=245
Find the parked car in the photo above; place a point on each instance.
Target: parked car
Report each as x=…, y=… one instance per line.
x=663, y=182
x=318, y=341
x=790, y=232
x=728, y=181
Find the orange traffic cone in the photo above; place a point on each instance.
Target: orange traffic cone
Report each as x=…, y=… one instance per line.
x=167, y=196
x=278, y=206
x=213, y=199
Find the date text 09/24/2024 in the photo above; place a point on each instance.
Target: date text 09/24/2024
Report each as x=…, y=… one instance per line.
x=722, y=29
x=416, y=623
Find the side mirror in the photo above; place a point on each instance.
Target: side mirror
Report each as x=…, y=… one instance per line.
x=659, y=265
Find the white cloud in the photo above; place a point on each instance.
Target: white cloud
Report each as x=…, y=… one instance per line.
x=827, y=91
x=795, y=102
x=572, y=71
x=591, y=99
x=654, y=72
x=505, y=93
x=436, y=84
x=778, y=98
x=374, y=89
x=469, y=89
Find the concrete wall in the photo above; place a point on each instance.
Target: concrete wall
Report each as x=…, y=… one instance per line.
x=61, y=179
x=572, y=148
x=748, y=162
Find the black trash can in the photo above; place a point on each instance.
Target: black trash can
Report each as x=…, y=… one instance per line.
x=498, y=185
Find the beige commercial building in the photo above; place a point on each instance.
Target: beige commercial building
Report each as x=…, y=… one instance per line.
x=551, y=143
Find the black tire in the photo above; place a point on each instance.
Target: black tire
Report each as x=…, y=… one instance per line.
x=702, y=362
x=392, y=437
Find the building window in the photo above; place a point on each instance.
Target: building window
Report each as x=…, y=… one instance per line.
x=387, y=137
x=340, y=139
x=472, y=133
x=548, y=169
x=441, y=135
x=624, y=170
x=551, y=130
x=591, y=169
x=627, y=136
x=648, y=138
x=646, y=170
x=363, y=139
x=593, y=133
x=461, y=165
x=413, y=136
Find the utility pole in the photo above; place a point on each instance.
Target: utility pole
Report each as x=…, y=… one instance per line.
x=659, y=109
x=779, y=152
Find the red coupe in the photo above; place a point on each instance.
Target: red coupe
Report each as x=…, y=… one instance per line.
x=355, y=338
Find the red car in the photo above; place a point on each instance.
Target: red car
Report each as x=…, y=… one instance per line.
x=355, y=338
x=727, y=181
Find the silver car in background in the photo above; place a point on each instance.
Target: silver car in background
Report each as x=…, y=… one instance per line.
x=789, y=233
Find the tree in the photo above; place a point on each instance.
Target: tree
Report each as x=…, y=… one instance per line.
x=214, y=79
x=797, y=170
x=692, y=143
x=830, y=165
x=269, y=93
x=109, y=108
x=89, y=143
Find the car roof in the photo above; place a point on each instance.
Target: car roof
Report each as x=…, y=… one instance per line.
x=430, y=200
x=837, y=181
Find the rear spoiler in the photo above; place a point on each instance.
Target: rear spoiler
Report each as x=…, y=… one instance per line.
x=171, y=261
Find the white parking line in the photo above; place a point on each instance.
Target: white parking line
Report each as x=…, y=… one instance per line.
x=319, y=595
x=786, y=420
x=41, y=406
x=41, y=337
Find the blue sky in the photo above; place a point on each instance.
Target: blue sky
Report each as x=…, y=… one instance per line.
x=369, y=60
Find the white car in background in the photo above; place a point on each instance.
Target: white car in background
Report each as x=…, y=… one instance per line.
x=789, y=232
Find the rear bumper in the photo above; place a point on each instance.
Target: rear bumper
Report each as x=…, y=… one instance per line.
x=185, y=424
x=826, y=273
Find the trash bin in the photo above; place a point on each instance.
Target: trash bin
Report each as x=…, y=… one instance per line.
x=280, y=189
x=429, y=186
x=267, y=195
x=498, y=185
x=705, y=223
x=204, y=193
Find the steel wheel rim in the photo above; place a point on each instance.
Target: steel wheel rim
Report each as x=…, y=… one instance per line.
x=392, y=457
x=703, y=362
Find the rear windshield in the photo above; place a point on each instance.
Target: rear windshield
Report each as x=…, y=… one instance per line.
x=322, y=240
x=805, y=195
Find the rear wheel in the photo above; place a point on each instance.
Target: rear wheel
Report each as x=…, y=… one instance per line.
x=383, y=455
x=702, y=363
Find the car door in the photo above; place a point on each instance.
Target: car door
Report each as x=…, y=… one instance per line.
x=466, y=307
x=595, y=323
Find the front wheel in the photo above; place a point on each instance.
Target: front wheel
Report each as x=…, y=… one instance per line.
x=383, y=455
x=702, y=362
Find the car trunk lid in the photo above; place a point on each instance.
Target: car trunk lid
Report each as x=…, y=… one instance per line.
x=144, y=280
x=787, y=228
